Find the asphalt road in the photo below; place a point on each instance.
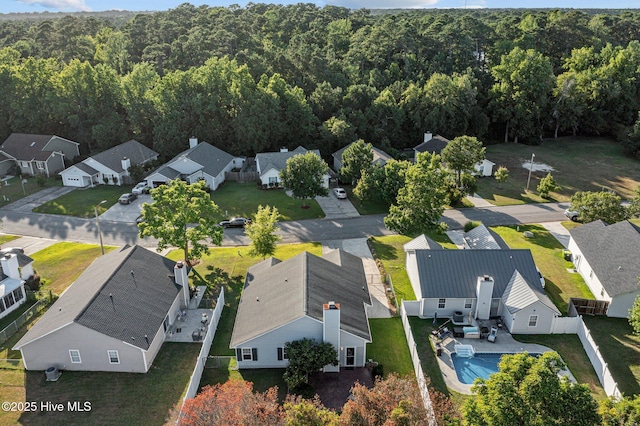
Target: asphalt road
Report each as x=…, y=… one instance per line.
x=65, y=228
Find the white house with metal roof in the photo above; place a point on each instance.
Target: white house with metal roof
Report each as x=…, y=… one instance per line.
x=109, y=167
x=269, y=164
x=202, y=161
x=114, y=317
x=481, y=284
x=15, y=269
x=608, y=258
x=321, y=298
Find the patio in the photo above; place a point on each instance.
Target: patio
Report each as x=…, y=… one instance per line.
x=334, y=389
x=191, y=322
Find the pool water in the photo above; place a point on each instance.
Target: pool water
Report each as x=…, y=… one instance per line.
x=480, y=365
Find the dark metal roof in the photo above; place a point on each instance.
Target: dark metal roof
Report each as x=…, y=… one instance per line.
x=613, y=252
x=482, y=237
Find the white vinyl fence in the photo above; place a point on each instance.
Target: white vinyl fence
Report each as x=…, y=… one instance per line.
x=422, y=382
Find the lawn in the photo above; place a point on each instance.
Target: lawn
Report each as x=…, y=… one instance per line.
x=389, y=250
x=580, y=164
x=5, y=238
x=116, y=398
x=367, y=206
x=561, y=285
x=620, y=349
x=81, y=202
x=60, y=264
x=14, y=190
x=389, y=346
x=243, y=199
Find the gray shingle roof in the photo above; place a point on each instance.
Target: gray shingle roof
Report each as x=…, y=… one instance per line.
x=612, y=252
x=85, y=168
x=482, y=237
x=422, y=242
x=278, y=160
x=435, y=145
x=106, y=299
x=277, y=293
x=212, y=159
x=27, y=147
x=379, y=156
x=134, y=150
x=519, y=294
x=454, y=273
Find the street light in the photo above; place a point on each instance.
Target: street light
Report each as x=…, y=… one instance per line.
x=95, y=209
x=530, y=168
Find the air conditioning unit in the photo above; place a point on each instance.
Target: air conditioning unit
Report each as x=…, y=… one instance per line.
x=52, y=374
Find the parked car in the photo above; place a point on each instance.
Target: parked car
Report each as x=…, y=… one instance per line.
x=571, y=214
x=140, y=219
x=140, y=188
x=127, y=198
x=235, y=222
x=11, y=250
x=340, y=193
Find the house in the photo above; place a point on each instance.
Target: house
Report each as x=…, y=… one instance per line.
x=269, y=165
x=379, y=157
x=481, y=283
x=114, y=317
x=201, y=161
x=109, y=167
x=321, y=298
x=15, y=269
x=482, y=237
x=435, y=145
x=607, y=258
x=37, y=154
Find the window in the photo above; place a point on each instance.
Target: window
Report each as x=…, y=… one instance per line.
x=282, y=354
x=40, y=164
x=247, y=354
x=441, y=303
x=9, y=300
x=75, y=356
x=114, y=357
x=273, y=179
x=17, y=294
x=467, y=303
x=533, y=320
x=24, y=164
x=2, y=308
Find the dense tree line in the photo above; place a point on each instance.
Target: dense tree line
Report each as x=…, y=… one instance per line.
x=264, y=76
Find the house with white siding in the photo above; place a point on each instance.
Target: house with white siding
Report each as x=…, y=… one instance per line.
x=269, y=164
x=15, y=269
x=380, y=157
x=322, y=298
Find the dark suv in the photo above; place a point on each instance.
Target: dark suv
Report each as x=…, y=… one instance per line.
x=127, y=198
x=236, y=222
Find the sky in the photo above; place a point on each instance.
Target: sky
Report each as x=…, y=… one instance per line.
x=8, y=6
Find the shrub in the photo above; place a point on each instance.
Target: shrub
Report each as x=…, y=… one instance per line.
x=470, y=225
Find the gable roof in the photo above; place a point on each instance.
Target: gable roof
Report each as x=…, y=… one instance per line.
x=612, y=252
x=482, y=237
x=133, y=150
x=212, y=159
x=278, y=160
x=454, y=273
x=379, y=156
x=435, y=145
x=422, y=242
x=519, y=294
x=276, y=293
x=107, y=299
x=27, y=147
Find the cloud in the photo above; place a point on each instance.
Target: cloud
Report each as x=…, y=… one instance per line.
x=61, y=5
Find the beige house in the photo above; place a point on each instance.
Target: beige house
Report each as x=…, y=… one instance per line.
x=114, y=317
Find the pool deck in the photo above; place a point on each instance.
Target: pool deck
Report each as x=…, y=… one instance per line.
x=504, y=343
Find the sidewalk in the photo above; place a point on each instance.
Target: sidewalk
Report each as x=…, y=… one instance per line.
x=31, y=244
x=558, y=231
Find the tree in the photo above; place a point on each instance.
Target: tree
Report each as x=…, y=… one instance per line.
x=634, y=314
x=356, y=158
x=528, y=391
x=262, y=232
x=232, y=403
x=501, y=175
x=182, y=214
x=546, y=185
x=622, y=412
x=382, y=182
x=420, y=202
x=308, y=412
x=462, y=154
x=392, y=401
x=603, y=205
x=305, y=357
x=304, y=176
x=634, y=206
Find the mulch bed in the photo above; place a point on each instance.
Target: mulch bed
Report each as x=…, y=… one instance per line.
x=334, y=388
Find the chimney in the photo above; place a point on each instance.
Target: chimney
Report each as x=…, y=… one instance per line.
x=126, y=163
x=10, y=267
x=331, y=331
x=181, y=273
x=484, y=293
x=284, y=149
x=428, y=136
x=193, y=142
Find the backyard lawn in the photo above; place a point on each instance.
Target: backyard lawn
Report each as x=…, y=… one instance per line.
x=579, y=164
x=243, y=199
x=389, y=346
x=14, y=190
x=81, y=202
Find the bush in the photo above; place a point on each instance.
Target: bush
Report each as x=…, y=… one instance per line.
x=470, y=225
x=305, y=390
x=377, y=372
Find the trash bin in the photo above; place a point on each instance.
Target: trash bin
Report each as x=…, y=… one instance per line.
x=438, y=350
x=567, y=255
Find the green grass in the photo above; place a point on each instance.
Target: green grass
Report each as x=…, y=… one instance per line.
x=14, y=192
x=5, y=238
x=580, y=164
x=62, y=263
x=421, y=330
x=367, y=206
x=243, y=199
x=547, y=252
x=81, y=202
x=620, y=348
x=116, y=398
x=389, y=346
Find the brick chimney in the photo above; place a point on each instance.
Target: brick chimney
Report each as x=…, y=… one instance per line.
x=181, y=273
x=10, y=267
x=331, y=330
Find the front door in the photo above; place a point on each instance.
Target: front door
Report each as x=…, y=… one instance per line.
x=350, y=358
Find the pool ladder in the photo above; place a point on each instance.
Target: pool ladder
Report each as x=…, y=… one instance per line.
x=465, y=351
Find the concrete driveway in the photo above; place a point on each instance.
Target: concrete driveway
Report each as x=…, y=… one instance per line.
x=334, y=208
x=126, y=212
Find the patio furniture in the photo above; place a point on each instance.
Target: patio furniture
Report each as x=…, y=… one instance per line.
x=492, y=335
x=196, y=336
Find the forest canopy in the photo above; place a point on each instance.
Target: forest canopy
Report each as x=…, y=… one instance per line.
x=256, y=78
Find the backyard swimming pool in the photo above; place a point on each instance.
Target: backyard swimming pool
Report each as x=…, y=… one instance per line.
x=480, y=365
